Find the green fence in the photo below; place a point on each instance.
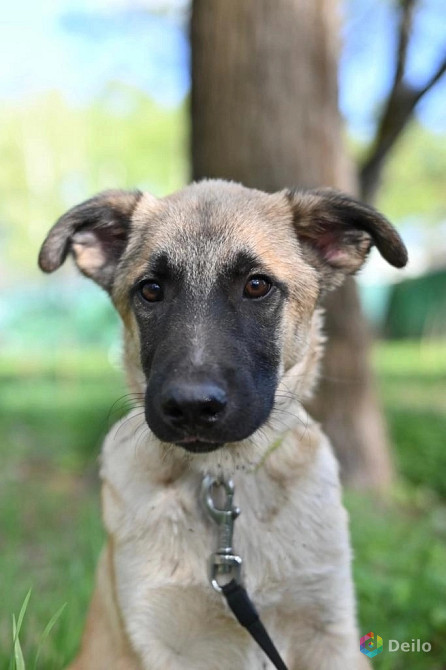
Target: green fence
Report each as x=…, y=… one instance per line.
x=417, y=307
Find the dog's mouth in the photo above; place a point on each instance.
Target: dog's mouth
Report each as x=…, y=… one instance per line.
x=197, y=446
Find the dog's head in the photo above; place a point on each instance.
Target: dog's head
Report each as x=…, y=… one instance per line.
x=217, y=286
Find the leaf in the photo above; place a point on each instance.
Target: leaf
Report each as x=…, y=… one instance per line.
x=16, y=627
x=18, y=655
x=51, y=623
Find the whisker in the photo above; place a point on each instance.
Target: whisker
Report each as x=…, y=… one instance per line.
x=304, y=423
x=143, y=433
x=131, y=399
x=127, y=419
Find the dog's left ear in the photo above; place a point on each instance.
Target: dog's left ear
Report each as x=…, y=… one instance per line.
x=337, y=233
x=95, y=232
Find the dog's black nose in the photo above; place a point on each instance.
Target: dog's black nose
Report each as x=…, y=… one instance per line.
x=188, y=404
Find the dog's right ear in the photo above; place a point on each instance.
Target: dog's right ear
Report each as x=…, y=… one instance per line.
x=95, y=232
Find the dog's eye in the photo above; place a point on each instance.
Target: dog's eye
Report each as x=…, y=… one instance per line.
x=257, y=287
x=151, y=291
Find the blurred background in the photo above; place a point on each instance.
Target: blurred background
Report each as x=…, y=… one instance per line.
x=96, y=95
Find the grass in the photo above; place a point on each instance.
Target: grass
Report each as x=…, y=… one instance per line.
x=412, y=378
x=400, y=544
x=17, y=661
x=55, y=412
x=400, y=572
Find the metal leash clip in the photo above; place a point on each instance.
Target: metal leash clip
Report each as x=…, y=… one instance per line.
x=223, y=563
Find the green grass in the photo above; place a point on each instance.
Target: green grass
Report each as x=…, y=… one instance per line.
x=413, y=387
x=400, y=544
x=400, y=574
x=55, y=411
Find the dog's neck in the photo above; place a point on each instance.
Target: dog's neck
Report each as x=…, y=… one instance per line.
x=288, y=422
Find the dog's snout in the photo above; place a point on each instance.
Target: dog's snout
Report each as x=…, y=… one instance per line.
x=189, y=405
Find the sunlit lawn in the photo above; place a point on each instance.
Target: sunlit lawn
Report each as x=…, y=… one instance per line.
x=54, y=412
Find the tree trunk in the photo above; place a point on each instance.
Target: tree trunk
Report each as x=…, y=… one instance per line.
x=264, y=112
x=346, y=402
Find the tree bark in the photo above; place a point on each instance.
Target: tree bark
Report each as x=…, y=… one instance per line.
x=264, y=112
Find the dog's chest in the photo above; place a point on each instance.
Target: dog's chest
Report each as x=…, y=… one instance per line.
x=164, y=537
x=290, y=538
x=161, y=550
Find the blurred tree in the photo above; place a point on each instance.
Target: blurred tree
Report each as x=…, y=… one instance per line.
x=264, y=112
x=399, y=106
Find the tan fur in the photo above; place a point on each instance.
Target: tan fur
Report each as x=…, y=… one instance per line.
x=292, y=534
x=104, y=641
x=153, y=607
x=88, y=258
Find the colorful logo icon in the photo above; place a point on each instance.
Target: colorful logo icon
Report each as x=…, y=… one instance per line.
x=371, y=645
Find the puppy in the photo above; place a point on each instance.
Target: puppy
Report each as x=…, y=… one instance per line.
x=218, y=287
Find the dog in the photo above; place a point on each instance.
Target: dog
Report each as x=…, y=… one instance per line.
x=219, y=290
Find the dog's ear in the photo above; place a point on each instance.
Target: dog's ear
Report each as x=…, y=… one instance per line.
x=337, y=233
x=95, y=232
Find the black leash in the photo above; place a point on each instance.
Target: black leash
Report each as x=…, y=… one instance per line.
x=224, y=563
x=246, y=614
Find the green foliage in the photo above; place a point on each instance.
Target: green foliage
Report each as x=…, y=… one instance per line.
x=413, y=178
x=412, y=181
x=399, y=569
x=413, y=387
x=56, y=411
x=400, y=545
x=17, y=661
x=48, y=628
x=55, y=154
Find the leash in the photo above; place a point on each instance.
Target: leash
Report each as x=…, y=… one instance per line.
x=225, y=567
